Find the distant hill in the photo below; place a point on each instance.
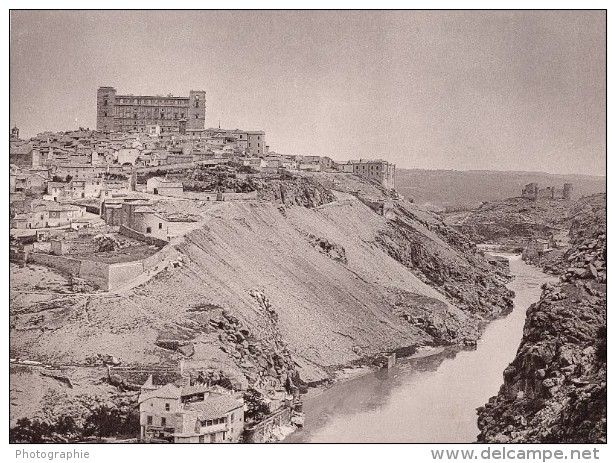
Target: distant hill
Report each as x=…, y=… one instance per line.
x=452, y=188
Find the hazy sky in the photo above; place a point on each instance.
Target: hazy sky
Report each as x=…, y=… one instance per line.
x=452, y=90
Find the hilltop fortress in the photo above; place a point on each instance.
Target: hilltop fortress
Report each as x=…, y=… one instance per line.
x=532, y=191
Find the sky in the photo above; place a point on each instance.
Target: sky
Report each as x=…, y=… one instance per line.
x=512, y=90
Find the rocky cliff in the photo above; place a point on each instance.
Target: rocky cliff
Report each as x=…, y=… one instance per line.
x=555, y=388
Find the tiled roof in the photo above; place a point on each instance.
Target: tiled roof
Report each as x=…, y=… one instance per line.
x=169, y=391
x=215, y=406
x=189, y=390
x=22, y=149
x=52, y=206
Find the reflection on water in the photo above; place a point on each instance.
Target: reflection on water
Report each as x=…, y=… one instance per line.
x=430, y=399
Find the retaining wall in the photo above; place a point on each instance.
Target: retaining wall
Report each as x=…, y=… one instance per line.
x=120, y=273
x=105, y=276
x=64, y=264
x=232, y=196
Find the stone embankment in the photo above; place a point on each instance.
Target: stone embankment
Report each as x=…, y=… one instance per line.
x=555, y=388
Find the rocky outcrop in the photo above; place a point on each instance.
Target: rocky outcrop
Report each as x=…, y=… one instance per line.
x=332, y=250
x=555, y=388
x=302, y=191
x=447, y=261
x=265, y=361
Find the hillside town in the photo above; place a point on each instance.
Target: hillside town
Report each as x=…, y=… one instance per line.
x=101, y=206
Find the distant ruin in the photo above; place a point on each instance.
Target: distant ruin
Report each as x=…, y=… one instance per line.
x=532, y=191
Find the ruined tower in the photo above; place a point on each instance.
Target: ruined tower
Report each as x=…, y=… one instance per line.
x=567, y=191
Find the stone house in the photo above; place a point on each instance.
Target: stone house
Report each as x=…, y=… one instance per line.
x=111, y=212
x=189, y=414
x=48, y=214
x=27, y=182
x=21, y=154
x=136, y=214
x=55, y=190
x=127, y=156
x=149, y=222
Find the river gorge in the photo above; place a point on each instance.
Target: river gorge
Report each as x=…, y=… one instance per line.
x=427, y=399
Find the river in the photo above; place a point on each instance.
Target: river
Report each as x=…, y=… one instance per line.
x=429, y=399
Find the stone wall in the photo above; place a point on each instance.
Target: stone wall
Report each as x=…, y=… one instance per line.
x=62, y=247
x=239, y=196
x=123, y=272
x=105, y=276
x=63, y=264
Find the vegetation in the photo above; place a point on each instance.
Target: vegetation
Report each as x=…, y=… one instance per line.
x=106, y=422
x=204, y=179
x=113, y=176
x=57, y=178
x=256, y=406
x=102, y=422
x=40, y=432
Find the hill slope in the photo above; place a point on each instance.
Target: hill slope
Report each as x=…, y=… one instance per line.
x=269, y=292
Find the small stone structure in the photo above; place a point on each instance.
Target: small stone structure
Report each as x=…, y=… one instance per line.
x=106, y=276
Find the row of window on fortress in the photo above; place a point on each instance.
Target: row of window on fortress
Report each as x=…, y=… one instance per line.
x=155, y=102
x=126, y=115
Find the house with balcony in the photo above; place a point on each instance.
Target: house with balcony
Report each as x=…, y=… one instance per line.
x=189, y=414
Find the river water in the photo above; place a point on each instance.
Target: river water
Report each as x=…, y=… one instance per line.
x=429, y=399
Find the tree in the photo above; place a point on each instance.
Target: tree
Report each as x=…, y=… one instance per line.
x=26, y=431
x=256, y=406
x=65, y=425
x=103, y=422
